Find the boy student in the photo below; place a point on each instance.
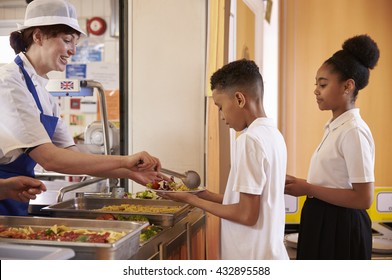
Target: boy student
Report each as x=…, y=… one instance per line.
x=252, y=208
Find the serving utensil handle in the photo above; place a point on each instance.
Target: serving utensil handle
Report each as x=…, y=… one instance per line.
x=173, y=173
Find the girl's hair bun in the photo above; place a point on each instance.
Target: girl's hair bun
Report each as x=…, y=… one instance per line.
x=364, y=49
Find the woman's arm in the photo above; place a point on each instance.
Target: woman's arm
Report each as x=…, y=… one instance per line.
x=68, y=161
x=359, y=197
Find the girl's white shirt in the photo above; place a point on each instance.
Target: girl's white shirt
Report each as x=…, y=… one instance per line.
x=345, y=155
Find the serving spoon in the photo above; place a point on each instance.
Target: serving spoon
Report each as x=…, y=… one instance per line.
x=191, y=178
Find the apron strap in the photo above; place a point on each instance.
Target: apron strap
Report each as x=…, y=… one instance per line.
x=29, y=82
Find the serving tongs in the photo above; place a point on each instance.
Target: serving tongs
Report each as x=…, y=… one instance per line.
x=190, y=178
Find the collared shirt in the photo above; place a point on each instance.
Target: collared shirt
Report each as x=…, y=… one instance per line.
x=345, y=155
x=259, y=168
x=20, y=125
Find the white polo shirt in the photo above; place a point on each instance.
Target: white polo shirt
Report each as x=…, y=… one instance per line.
x=346, y=153
x=20, y=125
x=259, y=168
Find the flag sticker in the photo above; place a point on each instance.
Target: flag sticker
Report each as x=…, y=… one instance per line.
x=67, y=85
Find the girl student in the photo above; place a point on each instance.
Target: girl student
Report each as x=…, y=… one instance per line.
x=340, y=184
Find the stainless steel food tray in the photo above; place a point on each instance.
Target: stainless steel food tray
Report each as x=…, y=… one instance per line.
x=85, y=207
x=123, y=248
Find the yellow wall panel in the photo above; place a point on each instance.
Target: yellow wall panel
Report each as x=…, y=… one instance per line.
x=245, y=31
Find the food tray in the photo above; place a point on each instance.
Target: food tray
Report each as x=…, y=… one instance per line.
x=32, y=252
x=124, y=248
x=85, y=207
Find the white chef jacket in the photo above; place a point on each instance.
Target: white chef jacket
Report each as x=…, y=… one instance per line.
x=259, y=169
x=346, y=153
x=20, y=125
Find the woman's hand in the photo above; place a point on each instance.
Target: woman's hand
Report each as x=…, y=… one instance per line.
x=147, y=176
x=21, y=188
x=143, y=161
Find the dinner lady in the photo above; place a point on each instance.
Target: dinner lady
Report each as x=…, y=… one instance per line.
x=31, y=131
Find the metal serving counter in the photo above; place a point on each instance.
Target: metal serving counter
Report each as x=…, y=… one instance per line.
x=125, y=235
x=54, y=189
x=184, y=240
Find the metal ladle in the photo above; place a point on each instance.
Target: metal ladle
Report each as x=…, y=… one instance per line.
x=191, y=179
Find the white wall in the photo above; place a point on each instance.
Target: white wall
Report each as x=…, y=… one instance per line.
x=167, y=81
x=270, y=57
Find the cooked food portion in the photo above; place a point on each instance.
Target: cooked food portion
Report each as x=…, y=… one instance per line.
x=147, y=194
x=61, y=233
x=136, y=208
x=164, y=185
x=149, y=232
x=127, y=195
x=146, y=233
x=134, y=218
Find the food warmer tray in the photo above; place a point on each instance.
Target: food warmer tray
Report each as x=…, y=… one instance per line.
x=33, y=252
x=124, y=248
x=85, y=207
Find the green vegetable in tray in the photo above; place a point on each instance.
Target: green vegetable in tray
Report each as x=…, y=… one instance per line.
x=82, y=238
x=149, y=232
x=147, y=194
x=135, y=218
x=49, y=232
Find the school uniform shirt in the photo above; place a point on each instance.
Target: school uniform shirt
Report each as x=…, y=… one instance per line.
x=259, y=168
x=20, y=125
x=346, y=154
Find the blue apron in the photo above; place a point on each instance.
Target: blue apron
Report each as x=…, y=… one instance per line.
x=24, y=165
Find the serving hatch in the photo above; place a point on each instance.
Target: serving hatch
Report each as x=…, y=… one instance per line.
x=89, y=207
x=123, y=248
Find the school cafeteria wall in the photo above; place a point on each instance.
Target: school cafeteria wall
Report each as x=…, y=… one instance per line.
x=167, y=47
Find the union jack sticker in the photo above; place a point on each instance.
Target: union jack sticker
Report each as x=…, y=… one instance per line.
x=67, y=85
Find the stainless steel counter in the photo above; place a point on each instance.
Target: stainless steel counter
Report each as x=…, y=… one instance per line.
x=180, y=235
x=160, y=247
x=53, y=188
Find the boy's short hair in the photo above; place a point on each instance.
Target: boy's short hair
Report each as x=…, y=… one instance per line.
x=240, y=75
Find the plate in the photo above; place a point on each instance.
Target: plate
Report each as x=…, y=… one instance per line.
x=382, y=244
x=199, y=189
x=291, y=240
